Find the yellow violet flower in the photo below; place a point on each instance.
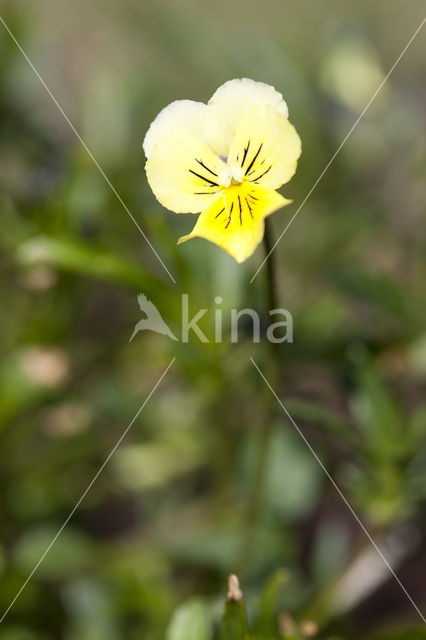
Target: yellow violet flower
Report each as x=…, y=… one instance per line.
x=224, y=159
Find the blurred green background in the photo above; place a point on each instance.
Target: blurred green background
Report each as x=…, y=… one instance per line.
x=167, y=520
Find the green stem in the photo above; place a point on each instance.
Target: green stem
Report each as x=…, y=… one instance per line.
x=270, y=268
x=254, y=505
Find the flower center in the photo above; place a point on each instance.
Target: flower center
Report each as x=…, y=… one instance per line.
x=239, y=205
x=231, y=175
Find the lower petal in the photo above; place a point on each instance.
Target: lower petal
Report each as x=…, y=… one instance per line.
x=235, y=221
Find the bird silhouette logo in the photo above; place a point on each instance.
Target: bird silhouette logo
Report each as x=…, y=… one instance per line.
x=153, y=320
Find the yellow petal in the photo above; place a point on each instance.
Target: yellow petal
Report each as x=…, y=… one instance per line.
x=181, y=115
x=229, y=103
x=266, y=147
x=235, y=220
x=183, y=172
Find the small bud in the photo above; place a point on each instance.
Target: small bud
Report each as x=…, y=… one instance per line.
x=45, y=366
x=308, y=628
x=234, y=592
x=287, y=625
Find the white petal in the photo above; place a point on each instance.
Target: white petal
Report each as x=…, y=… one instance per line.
x=183, y=172
x=266, y=147
x=177, y=117
x=228, y=105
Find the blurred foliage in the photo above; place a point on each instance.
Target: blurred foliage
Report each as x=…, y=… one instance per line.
x=148, y=550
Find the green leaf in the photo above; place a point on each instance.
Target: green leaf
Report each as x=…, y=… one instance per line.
x=323, y=417
x=379, y=416
x=234, y=621
x=190, y=621
x=79, y=257
x=266, y=622
x=71, y=553
x=289, y=466
x=417, y=427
